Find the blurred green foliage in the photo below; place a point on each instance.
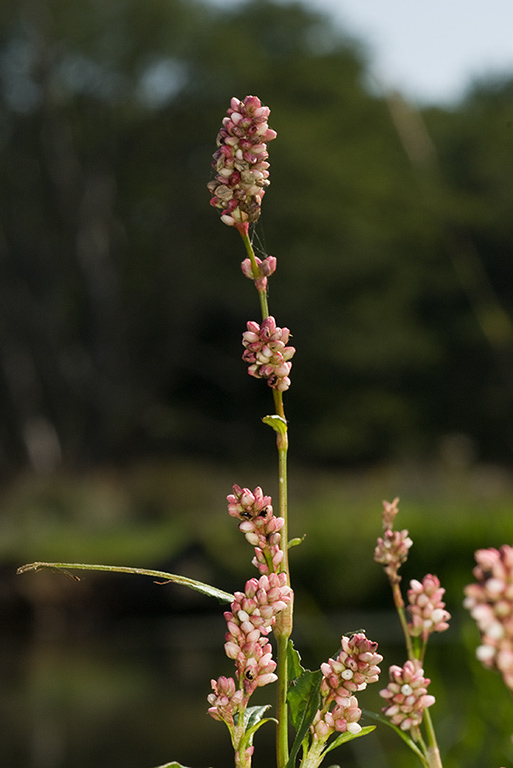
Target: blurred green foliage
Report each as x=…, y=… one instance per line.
x=121, y=295
x=121, y=306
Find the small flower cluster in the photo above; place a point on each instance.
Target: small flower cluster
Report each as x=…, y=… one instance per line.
x=407, y=695
x=490, y=602
x=343, y=717
x=259, y=525
x=426, y=607
x=241, y=162
x=392, y=549
x=245, y=504
x=267, y=353
x=355, y=666
x=225, y=699
x=266, y=268
x=249, y=621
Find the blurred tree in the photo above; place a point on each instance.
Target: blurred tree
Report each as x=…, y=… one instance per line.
x=121, y=304
x=475, y=186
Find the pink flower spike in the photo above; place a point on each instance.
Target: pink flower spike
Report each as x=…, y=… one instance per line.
x=225, y=699
x=240, y=163
x=354, y=668
x=252, y=615
x=407, y=695
x=426, y=607
x=267, y=353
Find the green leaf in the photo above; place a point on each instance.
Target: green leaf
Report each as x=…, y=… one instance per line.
x=403, y=734
x=277, y=423
x=164, y=578
x=253, y=720
x=304, y=693
x=253, y=715
x=294, y=666
x=304, y=699
x=348, y=737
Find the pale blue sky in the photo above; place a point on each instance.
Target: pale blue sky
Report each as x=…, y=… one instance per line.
x=429, y=49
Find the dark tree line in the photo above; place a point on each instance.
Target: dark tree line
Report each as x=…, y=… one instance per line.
x=120, y=293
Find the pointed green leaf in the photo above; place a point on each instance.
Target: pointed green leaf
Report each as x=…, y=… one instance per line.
x=348, y=737
x=198, y=586
x=253, y=715
x=304, y=693
x=304, y=699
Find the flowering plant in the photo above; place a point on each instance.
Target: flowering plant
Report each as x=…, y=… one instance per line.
x=322, y=706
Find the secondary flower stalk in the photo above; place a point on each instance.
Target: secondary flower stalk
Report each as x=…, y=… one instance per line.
x=391, y=552
x=343, y=677
x=407, y=690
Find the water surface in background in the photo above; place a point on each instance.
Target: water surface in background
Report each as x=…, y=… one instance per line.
x=132, y=695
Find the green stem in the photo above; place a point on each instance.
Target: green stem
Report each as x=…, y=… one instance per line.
x=282, y=730
x=432, y=752
x=399, y=604
x=282, y=443
x=283, y=626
